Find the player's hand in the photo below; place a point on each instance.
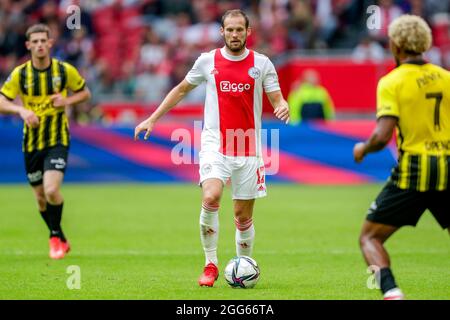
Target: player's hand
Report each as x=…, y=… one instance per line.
x=58, y=100
x=29, y=117
x=359, y=151
x=146, y=126
x=282, y=113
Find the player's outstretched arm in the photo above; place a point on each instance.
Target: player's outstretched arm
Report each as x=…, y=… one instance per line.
x=7, y=107
x=170, y=101
x=78, y=97
x=378, y=140
x=280, y=106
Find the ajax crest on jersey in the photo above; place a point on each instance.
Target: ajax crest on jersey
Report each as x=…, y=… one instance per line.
x=254, y=72
x=242, y=272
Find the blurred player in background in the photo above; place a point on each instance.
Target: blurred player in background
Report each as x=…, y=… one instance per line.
x=309, y=100
x=230, y=145
x=43, y=84
x=415, y=99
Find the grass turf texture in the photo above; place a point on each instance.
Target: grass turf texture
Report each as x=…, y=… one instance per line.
x=142, y=242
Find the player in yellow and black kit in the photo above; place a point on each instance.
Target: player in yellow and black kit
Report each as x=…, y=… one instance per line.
x=415, y=99
x=43, y=84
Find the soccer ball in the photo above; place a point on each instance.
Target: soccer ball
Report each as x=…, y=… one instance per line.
x=242, y=272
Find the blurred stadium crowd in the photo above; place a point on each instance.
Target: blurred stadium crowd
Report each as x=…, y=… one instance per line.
x=125, y=47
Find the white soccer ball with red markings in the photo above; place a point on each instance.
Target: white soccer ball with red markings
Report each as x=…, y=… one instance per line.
x=242, y=272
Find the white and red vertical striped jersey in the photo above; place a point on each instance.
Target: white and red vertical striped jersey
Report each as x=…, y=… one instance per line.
x=233, y=105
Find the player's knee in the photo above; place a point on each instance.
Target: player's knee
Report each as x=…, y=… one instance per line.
x=243, y=210
x=363, y=240
x=211, y=199
x=52, y=194
x=241, y=214
x=367, y=238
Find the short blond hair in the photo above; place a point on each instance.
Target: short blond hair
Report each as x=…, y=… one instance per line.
x=37, y=28
x=410, y=33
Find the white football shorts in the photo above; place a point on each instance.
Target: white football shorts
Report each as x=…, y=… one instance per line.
x=247, y=174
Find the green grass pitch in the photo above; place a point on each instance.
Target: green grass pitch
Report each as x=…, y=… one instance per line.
x=142, y=242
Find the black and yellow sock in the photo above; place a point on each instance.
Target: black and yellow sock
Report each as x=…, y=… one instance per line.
x=55, y=214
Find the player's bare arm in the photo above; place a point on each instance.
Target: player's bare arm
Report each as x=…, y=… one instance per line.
x=59, y=101
x=279, y=104
x=378, y=140
x=170, y=101
x=28, y=116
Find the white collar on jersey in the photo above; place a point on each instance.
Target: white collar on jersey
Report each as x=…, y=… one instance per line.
x=234, y=58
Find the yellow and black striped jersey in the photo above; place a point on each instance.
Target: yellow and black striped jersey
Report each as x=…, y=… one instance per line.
x=418, y=94
x=35, y=88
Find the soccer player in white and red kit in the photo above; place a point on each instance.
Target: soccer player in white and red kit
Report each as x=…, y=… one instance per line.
x=231, y=138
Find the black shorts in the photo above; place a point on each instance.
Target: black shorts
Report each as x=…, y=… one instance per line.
x=398, y=207
x=37, y=162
